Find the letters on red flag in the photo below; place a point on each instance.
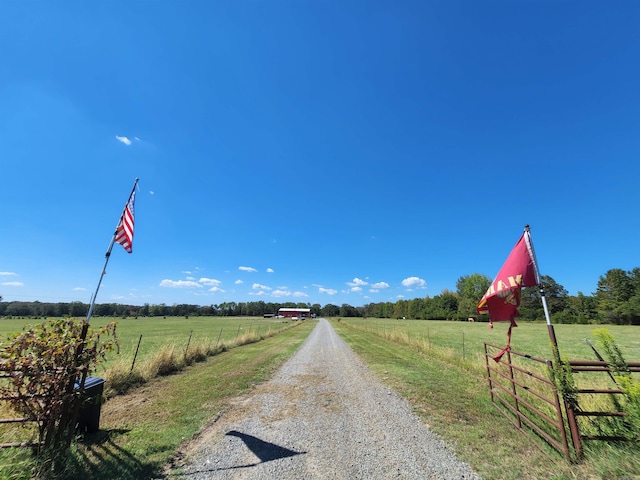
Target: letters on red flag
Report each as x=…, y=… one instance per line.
x=502, y=298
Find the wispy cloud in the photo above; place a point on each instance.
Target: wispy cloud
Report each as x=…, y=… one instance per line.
x=124, y=140
x=257, y=286
x=356, y=289
x=281, y=293
x=12, y=284
x=210, y=282
x=8, y=274
x=79, y=289
x=247, y=269
x=269, y=270
x=328, y=291
x=261, y=293
x=414, y=282
x=238, y=282
x=380, y=285
x=216, y=289
x=179, y=284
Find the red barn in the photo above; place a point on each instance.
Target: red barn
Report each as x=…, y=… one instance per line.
x=295, y=313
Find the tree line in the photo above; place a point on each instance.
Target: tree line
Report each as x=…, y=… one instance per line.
x=615, y=301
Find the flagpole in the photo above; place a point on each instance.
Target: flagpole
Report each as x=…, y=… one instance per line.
x=108, y=254
x=551, y=330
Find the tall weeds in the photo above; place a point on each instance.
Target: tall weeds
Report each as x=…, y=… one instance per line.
x=172, y=358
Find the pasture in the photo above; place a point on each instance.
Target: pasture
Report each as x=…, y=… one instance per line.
x=465, y=340
x=162, y=332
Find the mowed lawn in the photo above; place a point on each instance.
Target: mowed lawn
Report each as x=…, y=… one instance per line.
x=160, y=332
x=466, y=339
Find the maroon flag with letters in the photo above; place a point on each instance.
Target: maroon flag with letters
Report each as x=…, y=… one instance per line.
x=502, y=298
x=124, y=230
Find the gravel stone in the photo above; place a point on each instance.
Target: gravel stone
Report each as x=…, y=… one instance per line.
x=324, y=415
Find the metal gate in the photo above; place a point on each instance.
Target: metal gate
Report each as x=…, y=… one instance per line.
x=522, y=391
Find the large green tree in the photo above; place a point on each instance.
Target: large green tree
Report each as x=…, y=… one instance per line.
x=614, y=295
x=470, y=290
x=531, y=302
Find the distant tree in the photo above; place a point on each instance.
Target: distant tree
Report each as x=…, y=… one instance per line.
x=470, y=290
x=415, y=308
x=347, y=310
x=78, y=309
x=400, y=309
x=330, y=310
x=614, y=290
x=531, y=307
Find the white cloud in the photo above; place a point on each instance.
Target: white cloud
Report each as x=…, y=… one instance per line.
x=356, y=289
x=179, y=284
x=79, y=289
x=414, y=282
x=357, y=283
x=380, y=285
x=151, y=192
x=238, y=282
x=257, y=286
x=124, y=140
x=328, y=291
x=12, y=284
x=373, y=290
x=281, y=293
x=261, y=293
x=269, y=270
x=216, y=289
x=400, y=296
x=7, y=274
x=247, y=269
x=300, y=294
x=210, y=282
x=191, y=278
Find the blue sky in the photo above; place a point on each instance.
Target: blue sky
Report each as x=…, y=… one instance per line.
x=314, y=151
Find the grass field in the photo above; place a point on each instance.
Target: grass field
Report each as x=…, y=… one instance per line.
x=141, y=430
x=460, y=339
x=160, y=332
x=452, y=396
x=466, y=339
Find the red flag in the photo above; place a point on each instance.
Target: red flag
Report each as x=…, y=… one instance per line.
x=124, y=230
x=502, y=298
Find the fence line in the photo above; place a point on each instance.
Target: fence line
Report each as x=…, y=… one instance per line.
x=515, y=388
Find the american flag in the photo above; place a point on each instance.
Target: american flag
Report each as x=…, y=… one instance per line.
x=124, y=231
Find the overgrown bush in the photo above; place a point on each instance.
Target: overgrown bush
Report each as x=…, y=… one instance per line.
x=629, y=425
x=43, y=364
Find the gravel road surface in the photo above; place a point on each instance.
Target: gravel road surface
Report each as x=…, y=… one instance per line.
x=324, y=415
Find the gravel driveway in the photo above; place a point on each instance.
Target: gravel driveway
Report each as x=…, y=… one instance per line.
x=324, y=415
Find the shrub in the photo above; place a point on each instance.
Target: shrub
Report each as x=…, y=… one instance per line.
x=43, y=364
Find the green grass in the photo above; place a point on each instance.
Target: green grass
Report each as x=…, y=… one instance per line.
x=466, y=339
x=158, y=332
x=452, y=396
x=140, y=432
x=445, y=383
